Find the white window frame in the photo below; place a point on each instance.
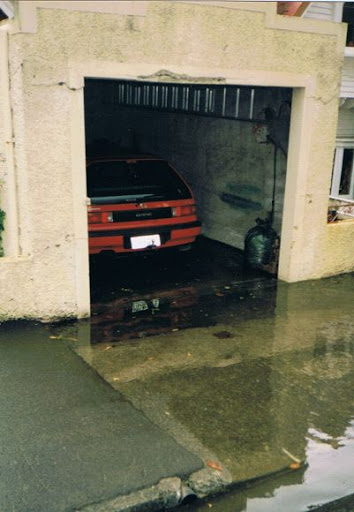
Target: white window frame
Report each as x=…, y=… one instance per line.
x=341, y=145
x=338, y=11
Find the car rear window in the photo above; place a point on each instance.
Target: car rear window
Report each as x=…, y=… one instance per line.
x=127, y=181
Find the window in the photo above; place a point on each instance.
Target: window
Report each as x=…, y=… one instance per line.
x=348, y=17
x=123, y=181
x=343, y=171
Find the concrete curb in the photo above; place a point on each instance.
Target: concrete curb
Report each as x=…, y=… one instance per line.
x=208, y=481
x=345, y=504
x=167, y=494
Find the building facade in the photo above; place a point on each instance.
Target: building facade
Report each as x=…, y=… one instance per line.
x=51, y=51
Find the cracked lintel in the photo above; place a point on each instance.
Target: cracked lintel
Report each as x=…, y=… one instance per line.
x=54, y=84
x=164, y=75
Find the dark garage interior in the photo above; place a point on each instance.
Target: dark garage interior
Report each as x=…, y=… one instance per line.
x=230, y=145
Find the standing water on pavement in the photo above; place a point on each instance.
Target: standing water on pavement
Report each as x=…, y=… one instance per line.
x=308, y=406
x=262, y=389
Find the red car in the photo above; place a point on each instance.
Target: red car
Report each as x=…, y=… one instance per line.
x=138, y=203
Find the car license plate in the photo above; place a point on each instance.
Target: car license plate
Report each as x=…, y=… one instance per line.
x=142, y=242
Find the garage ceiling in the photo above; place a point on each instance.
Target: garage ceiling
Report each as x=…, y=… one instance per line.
x=241, y=103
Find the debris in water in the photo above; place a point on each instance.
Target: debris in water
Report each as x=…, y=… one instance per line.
x=223, y=334
x=61, y=338
x=295, y=459
x=219, y=294
x=214, y=465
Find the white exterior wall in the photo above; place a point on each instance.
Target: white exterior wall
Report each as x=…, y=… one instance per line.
x=246, y=44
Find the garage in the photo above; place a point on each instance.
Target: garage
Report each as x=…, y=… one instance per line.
x=188, y=82
x=229, y=143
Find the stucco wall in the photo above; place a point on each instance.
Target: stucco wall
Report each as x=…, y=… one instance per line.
x=239, y=45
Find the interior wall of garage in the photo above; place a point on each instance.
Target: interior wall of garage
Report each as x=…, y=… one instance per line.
x=51, y=52
x=230, y=173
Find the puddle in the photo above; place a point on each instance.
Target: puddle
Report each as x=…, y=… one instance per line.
x=155, y=294
x=149, y=314
x=327, y=477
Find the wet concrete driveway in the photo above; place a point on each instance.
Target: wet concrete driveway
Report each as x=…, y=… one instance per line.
x=67, y=439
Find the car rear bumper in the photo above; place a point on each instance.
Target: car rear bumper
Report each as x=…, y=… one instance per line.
x=119, y=240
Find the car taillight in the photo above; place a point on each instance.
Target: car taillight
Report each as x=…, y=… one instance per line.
x=94, y=218
x=99, y=217
x=179, y=211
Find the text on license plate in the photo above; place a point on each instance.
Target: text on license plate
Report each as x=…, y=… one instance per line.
x=142, y=242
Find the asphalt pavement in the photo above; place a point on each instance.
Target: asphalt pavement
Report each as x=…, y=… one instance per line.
x=67, y=439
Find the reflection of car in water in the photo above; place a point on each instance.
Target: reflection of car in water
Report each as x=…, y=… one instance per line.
x=140, y=316
x=138, y=203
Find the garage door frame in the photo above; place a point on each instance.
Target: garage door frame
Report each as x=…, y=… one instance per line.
x=299, y=146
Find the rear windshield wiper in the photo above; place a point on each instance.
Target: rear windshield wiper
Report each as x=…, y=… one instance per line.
x=147, y=196
x=124, y=199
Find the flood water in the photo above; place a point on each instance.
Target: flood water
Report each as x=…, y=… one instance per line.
x=143, y=296
x=253, y=375
x=328, y=476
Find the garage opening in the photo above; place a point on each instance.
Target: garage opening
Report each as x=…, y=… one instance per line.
x=229, y=144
